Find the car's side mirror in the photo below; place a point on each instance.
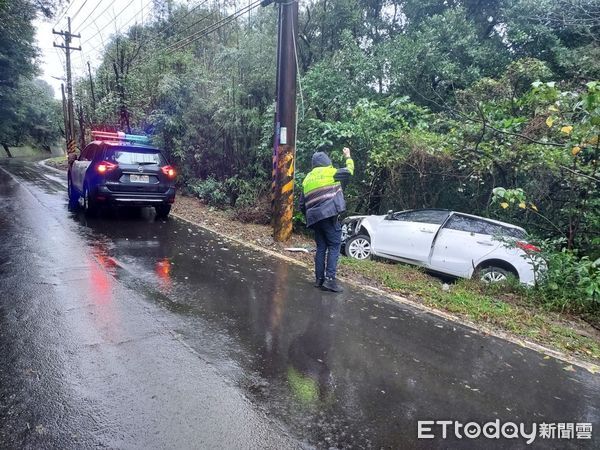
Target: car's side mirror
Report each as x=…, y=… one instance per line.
x=389, y=215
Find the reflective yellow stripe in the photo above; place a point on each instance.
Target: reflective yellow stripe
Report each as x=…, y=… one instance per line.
x=319, y=177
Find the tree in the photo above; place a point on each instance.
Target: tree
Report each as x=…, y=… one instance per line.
x=17, y=62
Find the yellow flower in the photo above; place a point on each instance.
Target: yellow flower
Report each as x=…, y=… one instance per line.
x=549, y=121
x=575, y=150
x=522, y=205
x=567, y=129
x=593, y=140
x=533, y=207
x=504, y=205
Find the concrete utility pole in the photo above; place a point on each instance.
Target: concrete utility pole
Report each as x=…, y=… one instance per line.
x=284, y=146
x=93, y=95
x=65, y=113
x=67, y=36
x=81, y=126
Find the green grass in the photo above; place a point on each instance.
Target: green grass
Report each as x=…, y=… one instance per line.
x=507, y=308
x=60, y=162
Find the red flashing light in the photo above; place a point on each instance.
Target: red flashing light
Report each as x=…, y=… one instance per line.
x=108, y=135
x=119, y=136
x=168, y=171
x=528, y=247
x=105, y=166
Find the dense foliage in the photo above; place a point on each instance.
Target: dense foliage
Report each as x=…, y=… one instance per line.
x=28, y=111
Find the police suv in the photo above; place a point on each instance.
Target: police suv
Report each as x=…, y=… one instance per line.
x=121, y=169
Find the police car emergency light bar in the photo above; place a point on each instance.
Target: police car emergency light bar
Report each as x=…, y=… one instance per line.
x=120, y=136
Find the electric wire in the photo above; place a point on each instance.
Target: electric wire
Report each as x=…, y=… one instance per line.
x=210, y=29
x=162, y=30
x=94, y=10
x=64, y=12
x=79, y=10
x=116, y=15
x=157, y=35
x=223, y=21
x=118, y=31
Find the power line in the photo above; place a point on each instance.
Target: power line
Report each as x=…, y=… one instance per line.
x=64, y=12
x=211, y=28
x=79, y=10
x=136, y=14
x=95, y=48
x=93, y=10
x=162, y=30
x=157, y=35
x=196, y=35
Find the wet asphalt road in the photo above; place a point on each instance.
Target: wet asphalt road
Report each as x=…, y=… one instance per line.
x=126, y=332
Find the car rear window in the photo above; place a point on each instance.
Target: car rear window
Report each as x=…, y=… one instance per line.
x=134, y=156
x=473, y=225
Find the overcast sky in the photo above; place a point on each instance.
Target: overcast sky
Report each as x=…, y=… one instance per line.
x=96, y=21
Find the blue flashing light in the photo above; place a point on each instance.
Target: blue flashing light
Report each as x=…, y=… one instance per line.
x=120, y=136
x=137, y=138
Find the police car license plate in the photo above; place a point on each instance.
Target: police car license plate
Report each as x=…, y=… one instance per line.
x=139, y=178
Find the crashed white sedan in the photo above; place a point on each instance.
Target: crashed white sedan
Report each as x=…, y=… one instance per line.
x=443, y=241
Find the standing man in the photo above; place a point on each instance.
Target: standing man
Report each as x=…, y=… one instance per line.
x=321, y=201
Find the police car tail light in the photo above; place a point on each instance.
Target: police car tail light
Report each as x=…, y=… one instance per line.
x=105, y=166
x=168, y=171
x=115, y=136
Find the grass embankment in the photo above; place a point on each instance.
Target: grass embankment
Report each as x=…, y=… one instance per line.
x=59, y=162
x=507, y=308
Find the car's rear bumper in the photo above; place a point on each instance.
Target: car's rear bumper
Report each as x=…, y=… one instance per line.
x=105, y=195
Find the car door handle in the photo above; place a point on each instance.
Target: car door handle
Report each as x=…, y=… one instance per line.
x=425, y=230
x=485, y=243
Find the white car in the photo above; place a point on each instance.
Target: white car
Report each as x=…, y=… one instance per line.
x=446, y=242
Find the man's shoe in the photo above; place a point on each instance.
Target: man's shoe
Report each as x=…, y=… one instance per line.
x=319, y=282
x=330, y=284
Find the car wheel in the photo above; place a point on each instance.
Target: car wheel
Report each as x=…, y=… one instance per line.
x=359, y=247
x=89, y=205
x=492, y=274
x=162, y=211
x=73, y=195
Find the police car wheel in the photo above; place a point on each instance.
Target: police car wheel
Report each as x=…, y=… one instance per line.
x=89, y=205
x=73, y=195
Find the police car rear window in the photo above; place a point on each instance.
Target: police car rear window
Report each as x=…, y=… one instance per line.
x=134, y=156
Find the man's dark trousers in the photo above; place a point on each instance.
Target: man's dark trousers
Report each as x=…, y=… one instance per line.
x=328, y=236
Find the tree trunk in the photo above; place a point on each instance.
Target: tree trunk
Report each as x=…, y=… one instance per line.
x=7, y=150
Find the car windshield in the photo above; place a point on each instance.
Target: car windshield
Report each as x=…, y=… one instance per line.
x=135, y=156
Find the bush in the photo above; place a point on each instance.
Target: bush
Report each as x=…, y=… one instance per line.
x=210, y=190
x=571, y=283
x=259, y=212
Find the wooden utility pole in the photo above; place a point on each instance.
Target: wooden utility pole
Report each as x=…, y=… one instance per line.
x=68, y=36
x=285, y=126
